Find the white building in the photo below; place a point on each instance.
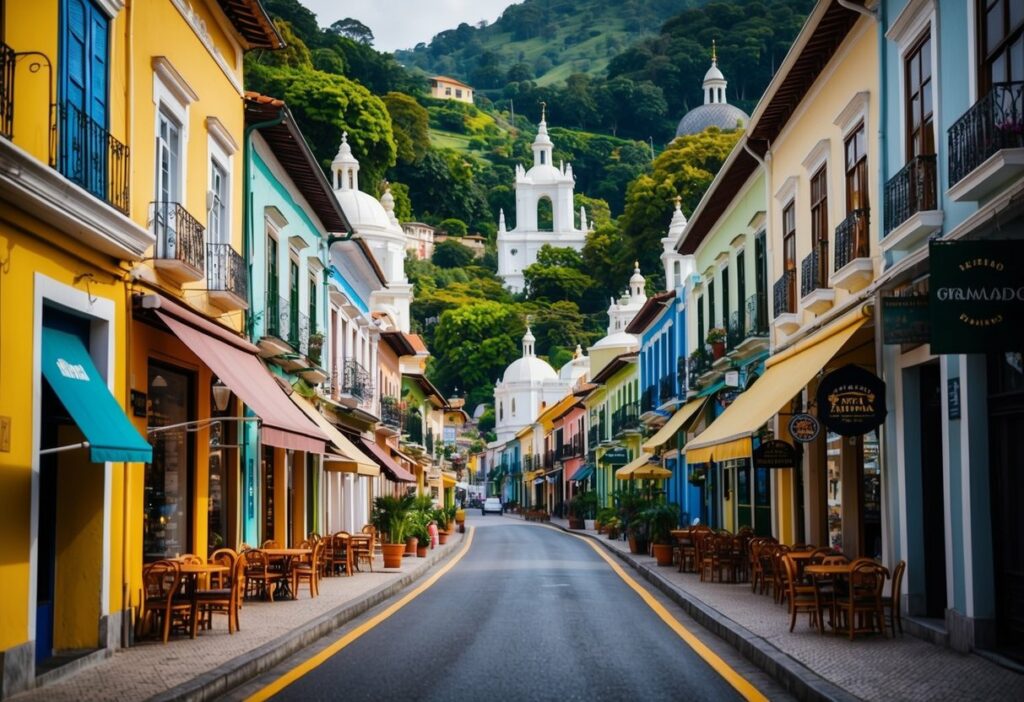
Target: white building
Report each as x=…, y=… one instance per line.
x=517, y=248
x=716, y=110
x=528, y=386
x=620, y=314
x=375, y=223
x=419, y=239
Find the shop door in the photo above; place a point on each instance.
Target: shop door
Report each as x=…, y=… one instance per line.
x=762, y=502
x=1006, y=427
x=933, y=508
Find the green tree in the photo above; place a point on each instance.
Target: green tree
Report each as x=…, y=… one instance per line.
x=598, y=211
x=453, y=227
x=410, y=125
x=557, y=275
x=452, y=254
x=403, y=205
x=353, y=29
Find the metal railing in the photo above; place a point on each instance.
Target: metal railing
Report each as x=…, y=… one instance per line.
x=757, y=315
x=7, y=59
x=298, y=332
x=995, y=122
x=697, y=365
x=647, y=399
x=667, y=387
x=593, y=435
x=430, y=443
x=625, y=418
x=910, y=191
x=87, y=154
x=413, y=428
x=179, y=235
x=391, y=412
x=814, y=269
x=573, y=447
x=356, y=380
x=734, y=331
x=226, y=271
x=528, y=463
x=852, y=237
x=785, y=293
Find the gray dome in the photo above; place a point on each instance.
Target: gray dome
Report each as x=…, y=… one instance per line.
x=721, y=115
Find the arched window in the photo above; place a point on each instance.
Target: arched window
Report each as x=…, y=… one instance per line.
x=501, y=410
x=543, y=157
x=545, y=215
x=513, y=407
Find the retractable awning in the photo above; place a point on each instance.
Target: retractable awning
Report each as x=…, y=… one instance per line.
x=391, y=467
x=109, y=434
x=283, y=424
x=680, y=420
x=343, y=455
x=583, y=472
x=786, y=374
x=641, y=468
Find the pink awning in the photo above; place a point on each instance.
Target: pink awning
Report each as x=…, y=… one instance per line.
x=396, y=472
x=284, y=425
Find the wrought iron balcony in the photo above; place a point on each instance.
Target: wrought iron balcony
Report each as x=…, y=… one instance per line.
x=571, y=448
x=226, y=275
x=594, y=435
x=391, y=411
x=179, y=241
x=852, y=238
x=430, y=443
x=667, y=387
x=993, y=123
x=785, y=293
x=356, y=381
x=88, y=155
x=757, y=315
x=697, y=365
x=647, y=399
x=910, y=191
x=298, y=331
x=625, y=418
x=734, y=332
x=276, y=316
x=814, y=269
x=528, y=463
x=549, y=460
x=6, y=90
x=413, y=429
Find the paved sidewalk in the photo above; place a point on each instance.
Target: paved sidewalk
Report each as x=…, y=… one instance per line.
x=813, y=665
x=269, y=632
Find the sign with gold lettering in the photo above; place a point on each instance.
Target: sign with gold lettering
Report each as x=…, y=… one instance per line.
x=775, y=454
x=804, y=428
x=851, y=401
x=976, y=298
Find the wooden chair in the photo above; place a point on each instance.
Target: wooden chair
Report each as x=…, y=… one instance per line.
x=802, y=598
x=190, y=559
x=780, y=577
x=226, y=557
x=313, y=537
x=259, y=576
x=364, y=551
x=243, y=547
x=862, y=605
x=339, y=556
x=308, y=571
x=687, y=551
x=224, y=599
x=163, y=599
x=892, y=601
x=271, y=543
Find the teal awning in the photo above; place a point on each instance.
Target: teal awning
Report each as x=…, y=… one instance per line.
x=711, y=389
x=69, y=369
x=583, y=473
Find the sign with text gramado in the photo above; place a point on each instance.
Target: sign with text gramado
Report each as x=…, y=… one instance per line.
x=851, y=401
x=976, y=296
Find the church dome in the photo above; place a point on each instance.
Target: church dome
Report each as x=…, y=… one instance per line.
x=617, y=340
x=544, y=173
x=528, y=369
x=722, y=115
x=363, y=209
x=713, y=73
x=576, y=368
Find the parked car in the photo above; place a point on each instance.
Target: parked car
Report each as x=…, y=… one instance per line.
x=492, y=504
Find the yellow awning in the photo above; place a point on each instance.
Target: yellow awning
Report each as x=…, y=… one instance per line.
x=344, y=456
x=640, y=468
x=447, y=480
x=674, y=424
x=531, y=474
x=729, y=436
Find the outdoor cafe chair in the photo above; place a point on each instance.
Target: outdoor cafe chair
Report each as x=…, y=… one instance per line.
x=163, y=600
x=339, y=555
x=364, y=550
x=226, y=598
x=891, y=602
x=309, y=571
x=861, y=605
x=260, y=578
x=802, y=598
x=226, y=557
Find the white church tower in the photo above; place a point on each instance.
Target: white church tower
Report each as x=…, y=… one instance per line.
x=678, y=268
x=517, y=248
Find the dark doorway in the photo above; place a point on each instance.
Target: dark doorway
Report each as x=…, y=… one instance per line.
x=1006, y=427
x=933, y=527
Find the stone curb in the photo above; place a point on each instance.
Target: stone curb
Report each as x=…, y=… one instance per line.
x=241, y=669
x=796, y=677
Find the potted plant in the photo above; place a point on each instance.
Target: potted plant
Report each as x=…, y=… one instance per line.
x=716, y=339
x=611, y=527
x=460, y=520
x=604, y=517
x=314, y=346
x=581, y=509
x=391, y=518
x=661, y=519
x=630, y=505
x=698, y=477
x=441, y=518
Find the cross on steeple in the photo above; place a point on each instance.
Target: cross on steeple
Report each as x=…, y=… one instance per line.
x=714, y=52
x=543, y=109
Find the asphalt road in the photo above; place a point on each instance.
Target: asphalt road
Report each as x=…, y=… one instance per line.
x=528, y=614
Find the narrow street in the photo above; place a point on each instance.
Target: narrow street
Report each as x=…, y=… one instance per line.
x=528, y=613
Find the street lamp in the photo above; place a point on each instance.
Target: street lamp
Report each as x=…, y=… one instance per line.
x=221, y=395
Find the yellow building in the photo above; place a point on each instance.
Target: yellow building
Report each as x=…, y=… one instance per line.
x=445, y=88
x=89, y=82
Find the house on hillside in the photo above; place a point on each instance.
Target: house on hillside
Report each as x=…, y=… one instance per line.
x=445, y=88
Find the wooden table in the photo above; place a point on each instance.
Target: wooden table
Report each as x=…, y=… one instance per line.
x=799, y=559
x=284, y=588
x=194, y=571
x=351, y=540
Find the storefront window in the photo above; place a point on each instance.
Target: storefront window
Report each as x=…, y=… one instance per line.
x=835, y=491
x=872, y=498
x=268, y=493
x=166, y=500
x=216, y=517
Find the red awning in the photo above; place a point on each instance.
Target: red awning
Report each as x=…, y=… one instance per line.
x=389, y=464
x=284, y=424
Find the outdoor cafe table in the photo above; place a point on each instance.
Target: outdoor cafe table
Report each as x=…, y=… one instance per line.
x=284, y=588
x=194, y=571
x=800, y=559
x=351, y=541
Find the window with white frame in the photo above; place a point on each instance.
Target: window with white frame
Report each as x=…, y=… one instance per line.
x=217, y=222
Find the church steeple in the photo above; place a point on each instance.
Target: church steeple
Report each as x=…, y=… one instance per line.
x=542, y=145
x=345, y=167
x=528, y=341
x=714, y=81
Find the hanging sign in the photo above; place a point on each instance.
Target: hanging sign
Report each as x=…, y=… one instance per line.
x=953, y=397
x=804, y=428
x=616, y=457
x=851, y=401
x=775, y=454
x=905, y=320
x=976, y=297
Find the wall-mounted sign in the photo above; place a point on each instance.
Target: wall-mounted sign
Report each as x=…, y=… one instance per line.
x=905, y=320
x=775, y=454
x=953, y=395
x=804, y=428
x=851, y=401
x=138, y=401
x=616, y=457
x=976, y=297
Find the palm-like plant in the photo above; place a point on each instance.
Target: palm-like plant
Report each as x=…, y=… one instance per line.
x=391, y=516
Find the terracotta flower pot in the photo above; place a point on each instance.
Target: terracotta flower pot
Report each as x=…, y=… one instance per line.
x=421, y=551
x=410, y=545
x=637, y=544
x=717, y=349
x=442, y=537
x=663, y=554
x=393, y=555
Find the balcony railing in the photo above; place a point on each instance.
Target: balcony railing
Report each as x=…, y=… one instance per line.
x=6, y=90
x=697, y=365
x=852, y=237
x=785, y=293
x=734, y=333
x=910, y=191
x=593, y=436
x=226, y=271
x=430, y=443
x=647, y=399
x=993, y=123
x=391, y=412
x=298, y=332
x=527, y=464
x=179, y=236
x=814, y=270
x=573, y=447
x=667, y=387
x=356, y=380
x=625, y=418
x=88, y=155
x=413, y=429
x=757, y=315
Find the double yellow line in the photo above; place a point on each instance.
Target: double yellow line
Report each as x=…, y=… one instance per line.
x=737, y=681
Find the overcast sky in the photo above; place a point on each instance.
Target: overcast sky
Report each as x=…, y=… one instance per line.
x=401, y=24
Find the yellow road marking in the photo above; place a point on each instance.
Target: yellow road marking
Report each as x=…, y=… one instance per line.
x=317, y=660
x=741, y=684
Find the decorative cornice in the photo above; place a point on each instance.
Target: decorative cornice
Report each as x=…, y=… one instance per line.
x=221, y=134
x=817, y=156
x=174, y=81
x=110, y=7
x=854, y=109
